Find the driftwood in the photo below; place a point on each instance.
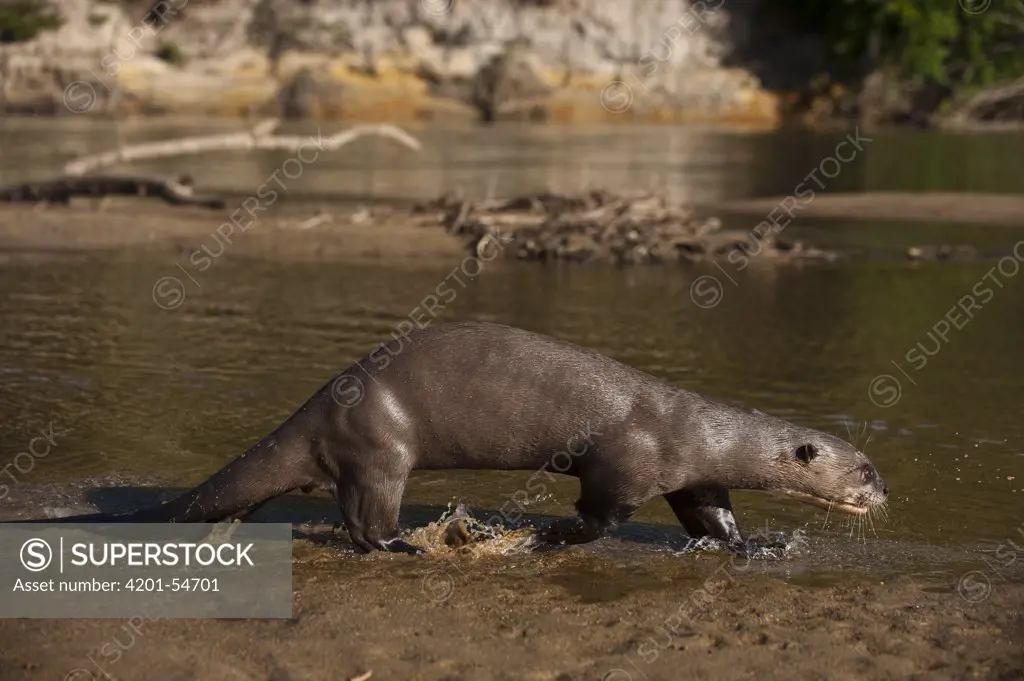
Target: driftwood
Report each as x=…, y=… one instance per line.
x=1000, y=106
x=259, y=137
x=76, y=180
x=601, y=226
x=61, y=190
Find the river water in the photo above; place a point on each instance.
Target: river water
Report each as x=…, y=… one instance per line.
x=132, y=390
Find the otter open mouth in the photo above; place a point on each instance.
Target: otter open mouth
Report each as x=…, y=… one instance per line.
x=852, y=509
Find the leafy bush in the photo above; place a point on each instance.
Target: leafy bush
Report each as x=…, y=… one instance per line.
x=934, y=40
x=22, y=20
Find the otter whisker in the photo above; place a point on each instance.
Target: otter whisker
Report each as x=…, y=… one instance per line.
x=828, y=512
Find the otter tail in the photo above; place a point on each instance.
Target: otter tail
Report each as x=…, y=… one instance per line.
x=266, y=470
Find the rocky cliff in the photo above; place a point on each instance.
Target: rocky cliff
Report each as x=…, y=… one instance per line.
x=400, y=60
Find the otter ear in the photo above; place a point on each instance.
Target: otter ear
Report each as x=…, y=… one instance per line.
x=806, y=452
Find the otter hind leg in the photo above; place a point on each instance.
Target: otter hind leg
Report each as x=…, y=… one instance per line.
x=599, y=510
x=579, y=529
x=704, y=512
x=370, y=512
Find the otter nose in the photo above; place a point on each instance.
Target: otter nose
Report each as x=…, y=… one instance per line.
x=885, y=490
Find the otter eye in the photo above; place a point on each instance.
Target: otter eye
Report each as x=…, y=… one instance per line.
x=806, y=452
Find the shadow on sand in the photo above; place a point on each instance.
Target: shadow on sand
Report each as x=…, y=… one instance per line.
x=312, y=515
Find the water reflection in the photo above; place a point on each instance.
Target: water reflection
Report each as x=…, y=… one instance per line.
x=172, y=396
x=688, y=164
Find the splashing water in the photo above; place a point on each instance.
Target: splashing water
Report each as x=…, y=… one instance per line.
x=760, y=545
x=458, y=530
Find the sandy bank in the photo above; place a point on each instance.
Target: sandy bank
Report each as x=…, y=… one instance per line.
x=978, y=209
x=348, y=235
x=601, y=228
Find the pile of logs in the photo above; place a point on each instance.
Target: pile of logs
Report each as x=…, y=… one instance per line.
x=599, y=226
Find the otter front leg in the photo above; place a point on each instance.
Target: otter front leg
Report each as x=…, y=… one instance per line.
x=706, y=511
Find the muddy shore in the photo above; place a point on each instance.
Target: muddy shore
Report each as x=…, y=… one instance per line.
x=571, y=615
x=634, y=606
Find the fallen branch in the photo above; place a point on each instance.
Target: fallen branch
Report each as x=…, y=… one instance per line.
x=315, y=221
x=999, y=106
x=62, y=189
x=259, y=137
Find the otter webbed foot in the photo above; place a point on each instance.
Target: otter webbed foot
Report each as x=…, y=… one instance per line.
x=738, y=549
x=387, y=545
x=390, y=542
x=707, y=512
x=576, y=530
x=397, y=545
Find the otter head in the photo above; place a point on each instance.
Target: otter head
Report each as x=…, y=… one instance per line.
x=823, y=470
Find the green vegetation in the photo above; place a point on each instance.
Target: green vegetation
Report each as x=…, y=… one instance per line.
x=170, y=53
x=965, y=44
x=22, y=20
